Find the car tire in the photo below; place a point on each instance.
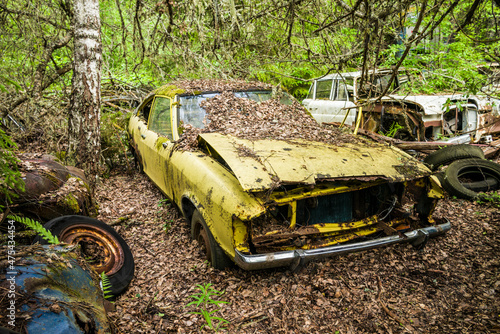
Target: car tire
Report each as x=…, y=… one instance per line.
x=118, y=262
x=476, y=170
x=440, y=177
x=213, y=252
x=489, y=184
x=452, y=153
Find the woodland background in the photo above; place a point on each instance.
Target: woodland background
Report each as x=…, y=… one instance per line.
x=451, y=286
x=144, y=44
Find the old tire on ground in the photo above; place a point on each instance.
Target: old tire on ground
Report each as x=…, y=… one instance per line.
x=489, y=184
x=440, y=177
x=107, y=250
x=473, y=171
x=213, y=252
x=452, y=153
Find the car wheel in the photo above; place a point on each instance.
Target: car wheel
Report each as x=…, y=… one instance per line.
x=104, y=248
x=463, y=177
x=452, y=153
x=213, y=252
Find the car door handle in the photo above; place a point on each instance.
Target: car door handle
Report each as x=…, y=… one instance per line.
x=143, y=136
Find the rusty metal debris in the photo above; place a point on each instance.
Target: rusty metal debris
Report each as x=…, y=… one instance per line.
x=52, y=189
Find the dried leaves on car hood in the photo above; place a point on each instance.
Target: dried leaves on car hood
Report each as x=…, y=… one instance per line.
x=244, y=118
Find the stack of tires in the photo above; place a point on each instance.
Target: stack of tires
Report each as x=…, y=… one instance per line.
x=468, y=173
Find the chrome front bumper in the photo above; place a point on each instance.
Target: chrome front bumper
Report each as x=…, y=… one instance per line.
x=299, y=257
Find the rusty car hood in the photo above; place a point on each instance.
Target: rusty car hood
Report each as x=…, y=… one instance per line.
x=262, y=164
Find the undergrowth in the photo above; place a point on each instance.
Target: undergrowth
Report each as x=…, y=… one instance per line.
x=203, y=301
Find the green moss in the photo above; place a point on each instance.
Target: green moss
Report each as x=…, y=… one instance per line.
x=169, y=90
x=160, y=141
x=61, y=155
x=71, y=202
x=51, y=176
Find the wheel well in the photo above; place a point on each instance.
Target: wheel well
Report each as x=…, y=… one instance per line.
x=188, y=208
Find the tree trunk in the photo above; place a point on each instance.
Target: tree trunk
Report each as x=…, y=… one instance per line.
x=85, y=102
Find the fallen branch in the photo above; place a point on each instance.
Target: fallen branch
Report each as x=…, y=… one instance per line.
x=385, y=308
x=115, y=106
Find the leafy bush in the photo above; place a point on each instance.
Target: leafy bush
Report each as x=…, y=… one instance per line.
x=114, y=137
x=10, y=177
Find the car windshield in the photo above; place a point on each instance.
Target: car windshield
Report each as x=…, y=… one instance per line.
x=190, y=111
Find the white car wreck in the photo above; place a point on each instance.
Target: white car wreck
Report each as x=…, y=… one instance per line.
x=456, y=117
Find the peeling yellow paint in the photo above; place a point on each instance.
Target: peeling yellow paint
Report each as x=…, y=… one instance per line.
x=240, y=235
x=435, y=190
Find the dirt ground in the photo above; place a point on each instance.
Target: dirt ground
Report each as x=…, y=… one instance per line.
x=450, y=286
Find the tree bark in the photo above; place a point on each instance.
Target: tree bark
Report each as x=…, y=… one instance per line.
x=85, y=103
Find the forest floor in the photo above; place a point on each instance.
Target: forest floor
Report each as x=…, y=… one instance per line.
x=450, y=286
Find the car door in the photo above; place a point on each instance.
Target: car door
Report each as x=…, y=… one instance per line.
x=328, y=100
x=156, y=142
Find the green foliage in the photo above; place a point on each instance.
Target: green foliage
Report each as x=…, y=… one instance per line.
x=10, y=177
x=446, y=68
x=492, y=199
x=106, y=286
x=37, y=227
x=164, y=202
x=167, y=226
x=393, y=130
x=114, y=137
x=203, y=302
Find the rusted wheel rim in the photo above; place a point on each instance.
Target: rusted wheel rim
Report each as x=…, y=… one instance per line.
x=204, y=243
x=106, y=254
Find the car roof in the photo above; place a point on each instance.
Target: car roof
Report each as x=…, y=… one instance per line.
x=199, y=86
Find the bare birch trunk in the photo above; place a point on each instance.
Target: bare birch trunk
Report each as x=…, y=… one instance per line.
x=85, y=103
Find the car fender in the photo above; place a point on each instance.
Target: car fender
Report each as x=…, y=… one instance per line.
x=214, y=192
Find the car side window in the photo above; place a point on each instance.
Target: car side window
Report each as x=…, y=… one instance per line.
x=145, y=110
x=324, y=89
x=342, y=93
x=159, y=119
x=310, y=95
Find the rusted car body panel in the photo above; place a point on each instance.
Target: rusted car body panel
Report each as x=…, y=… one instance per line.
x=52, y=189
x=267, y=196
x=54, y=292
x=418, y=117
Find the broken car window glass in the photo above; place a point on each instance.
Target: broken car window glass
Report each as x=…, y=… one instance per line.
x=190, y=111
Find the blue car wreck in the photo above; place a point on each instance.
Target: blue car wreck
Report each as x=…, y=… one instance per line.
x=49, y=289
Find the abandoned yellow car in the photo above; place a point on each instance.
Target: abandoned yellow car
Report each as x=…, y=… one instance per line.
x=264, y=185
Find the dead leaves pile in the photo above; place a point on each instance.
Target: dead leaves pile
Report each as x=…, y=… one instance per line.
x=247, y=119
x=451, y=286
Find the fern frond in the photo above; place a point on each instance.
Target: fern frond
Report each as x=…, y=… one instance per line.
x=37, y=227
x=106, y=286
